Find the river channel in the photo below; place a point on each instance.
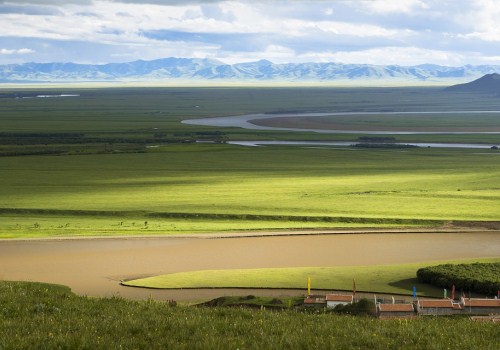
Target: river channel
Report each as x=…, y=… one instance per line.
x=95, y=267
x=248, y=122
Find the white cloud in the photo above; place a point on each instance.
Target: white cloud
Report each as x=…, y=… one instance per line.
x=23, y=51
x=405, y=56
x=393, y=6
x=361, y=31
x=351, y=29
x=274, y=53
x=46, y=2
x=483, y=20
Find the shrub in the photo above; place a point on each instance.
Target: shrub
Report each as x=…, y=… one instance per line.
x=482, y=278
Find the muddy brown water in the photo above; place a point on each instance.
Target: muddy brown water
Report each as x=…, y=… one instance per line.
x=94, y=267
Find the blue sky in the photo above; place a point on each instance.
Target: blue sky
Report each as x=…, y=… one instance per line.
x=404, y=32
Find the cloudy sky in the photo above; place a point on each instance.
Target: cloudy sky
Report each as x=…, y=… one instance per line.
x=404, y=32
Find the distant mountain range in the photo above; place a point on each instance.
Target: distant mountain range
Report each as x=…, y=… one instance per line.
x=490, y=83
x=191, y=69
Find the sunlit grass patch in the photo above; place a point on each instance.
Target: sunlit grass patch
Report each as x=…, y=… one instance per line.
x=40, y=226
x=397, y=279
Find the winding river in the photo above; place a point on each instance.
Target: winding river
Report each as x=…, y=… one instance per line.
x=95, y=267
x=246, y=122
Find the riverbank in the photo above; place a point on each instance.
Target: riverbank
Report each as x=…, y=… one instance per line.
x=95, y=267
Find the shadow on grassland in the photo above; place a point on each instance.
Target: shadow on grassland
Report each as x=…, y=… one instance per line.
x=422, y=288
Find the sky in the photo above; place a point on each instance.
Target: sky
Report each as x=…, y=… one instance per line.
x=402, y=32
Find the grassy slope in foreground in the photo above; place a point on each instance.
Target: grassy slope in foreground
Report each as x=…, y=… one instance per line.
x=398, y=279
x=37, y=315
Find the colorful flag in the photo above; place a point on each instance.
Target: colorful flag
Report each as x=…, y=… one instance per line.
x=453, y=292
x=308, y=285
x=414, y=292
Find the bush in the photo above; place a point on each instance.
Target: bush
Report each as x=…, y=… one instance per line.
x=362, y=307
x=481, y=278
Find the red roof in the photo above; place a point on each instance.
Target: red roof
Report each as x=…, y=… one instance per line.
x=339, y=297
x=435, y=303
x=395, y=307
x=482, y=303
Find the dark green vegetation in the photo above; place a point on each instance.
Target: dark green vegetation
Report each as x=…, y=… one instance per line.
x=126, y=119
x=482, y=278
x=435, y=122
x=363, y=307
x=46, y=316
x=251, y=301
x=126, y=165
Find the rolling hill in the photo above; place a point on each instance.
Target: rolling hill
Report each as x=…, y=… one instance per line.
x=490, y=83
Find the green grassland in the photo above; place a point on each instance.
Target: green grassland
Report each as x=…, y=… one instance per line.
x=214, y=183
x=88, y=168
x=412, y=121
x=390, y=279
x=46, y=316
x=29, y=225
x=141, y=112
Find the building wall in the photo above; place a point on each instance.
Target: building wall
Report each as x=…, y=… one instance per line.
x=481, y=310
x=436, y=311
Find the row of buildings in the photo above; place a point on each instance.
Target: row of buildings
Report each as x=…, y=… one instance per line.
x=393, y=308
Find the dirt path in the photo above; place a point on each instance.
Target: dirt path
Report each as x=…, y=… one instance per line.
x=94, y=267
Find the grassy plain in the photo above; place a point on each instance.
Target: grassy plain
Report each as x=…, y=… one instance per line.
x=139, y=112
x=435, y=122
x=274, y=187
x=391, y=279
x=37, y=315
x=103, y=178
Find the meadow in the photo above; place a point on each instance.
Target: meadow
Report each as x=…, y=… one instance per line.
x=37, y=315
x=117, y=161
x=388, y=279
x=273, y=187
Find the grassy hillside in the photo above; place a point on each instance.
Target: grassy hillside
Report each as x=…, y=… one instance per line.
x=46, y=316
